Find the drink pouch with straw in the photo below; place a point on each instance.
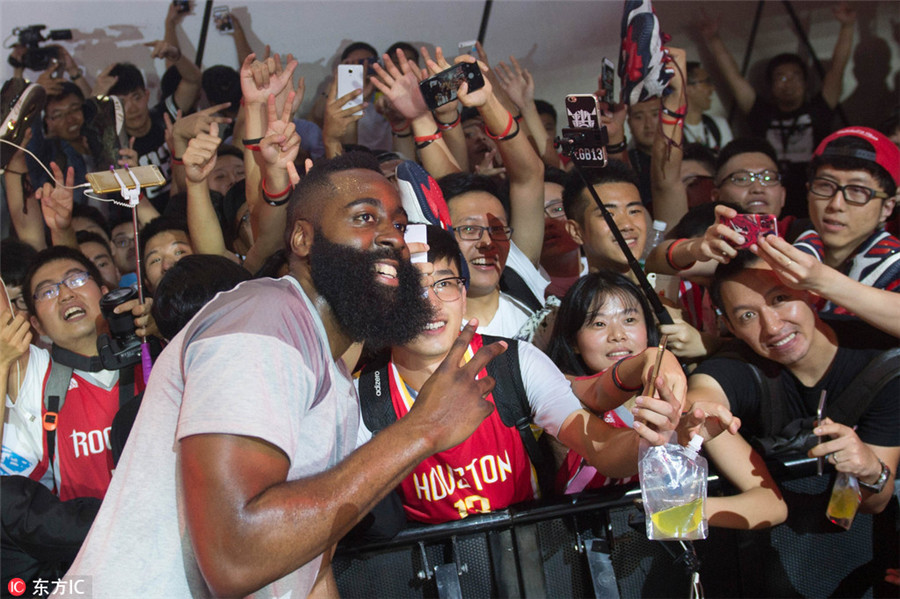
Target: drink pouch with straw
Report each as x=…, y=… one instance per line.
x=673, y=487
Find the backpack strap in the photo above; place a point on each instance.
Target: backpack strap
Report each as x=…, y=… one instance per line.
x=515, y=411
x=54, y=397
x=512, y=283
x=710, y=125
x=858, y=395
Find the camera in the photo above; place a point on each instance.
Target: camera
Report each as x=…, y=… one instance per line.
x=37, y=58
x=122, y=347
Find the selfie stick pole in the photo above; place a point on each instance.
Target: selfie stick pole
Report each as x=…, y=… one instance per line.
x=133, y=197
x=568, y=143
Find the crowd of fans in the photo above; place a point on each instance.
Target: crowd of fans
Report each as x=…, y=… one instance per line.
x=241, y=438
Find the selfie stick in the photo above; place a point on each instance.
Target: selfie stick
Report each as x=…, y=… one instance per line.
x=133, y=197
x=591, y=138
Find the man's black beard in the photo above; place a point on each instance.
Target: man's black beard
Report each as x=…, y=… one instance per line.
x=368, y=311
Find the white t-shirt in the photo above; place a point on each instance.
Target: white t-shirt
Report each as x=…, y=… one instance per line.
x=258, y=365
x=698, y=133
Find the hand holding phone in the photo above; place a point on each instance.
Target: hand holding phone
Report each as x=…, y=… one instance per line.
x=753, y=227
x=350, y=78
x=441, y=88
x=222, y=19
x=416, y=233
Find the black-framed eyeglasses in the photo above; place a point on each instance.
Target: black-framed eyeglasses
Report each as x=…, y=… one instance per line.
x=448, y=289
x=555, y=210
x=474, y=232
x=745, y=178
x=857, y=195
x=48, y=291
x=19, y=302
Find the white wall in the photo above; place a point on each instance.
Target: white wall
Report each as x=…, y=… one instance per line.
x=561, y=42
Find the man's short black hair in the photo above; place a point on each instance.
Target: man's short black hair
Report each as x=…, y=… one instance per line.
x=726, y=272
x=468, y=113
x=544, y=107
x=407, y=49
x=129, y=79
x=555, y=175
x=702, y=154
x=67, y=88
x=93, y=214
x=306, y=198
x=188, y=286
x=222, y=84
x=15, y=258
x=158, y=225
x=456, y=184
x=697, y=220
x=782, y=59
x=852, y=163
x=744, y=145
x=91, y=236
x=575, y=203
x=358, y=46
x=52, y=254
x=442, y=245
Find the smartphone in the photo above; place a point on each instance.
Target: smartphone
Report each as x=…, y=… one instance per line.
x=182, y=6
x=350, y=77
x=608, y=81
x=441, y=88
x=222, y=19
x=753, y=226
x=468, y=48
x=105, y=181
x=416, y=233
x=582, y=112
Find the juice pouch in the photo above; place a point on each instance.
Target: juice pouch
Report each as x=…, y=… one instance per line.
x=673, y=487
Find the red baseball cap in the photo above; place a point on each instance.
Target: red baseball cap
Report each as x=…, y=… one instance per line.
x=884, y=153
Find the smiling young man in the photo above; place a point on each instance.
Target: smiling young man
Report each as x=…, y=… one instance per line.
x=239, y=470
x=792, y=346
x=164, y=241
x=491, y=470
x=618, y=190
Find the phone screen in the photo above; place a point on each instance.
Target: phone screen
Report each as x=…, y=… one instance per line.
x=608, y=78
x=222, y=18
x=753, y=226
x=441, y=88
x=582, y=112
x=105, y=181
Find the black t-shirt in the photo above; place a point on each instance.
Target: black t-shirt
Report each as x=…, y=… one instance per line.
x=795, y=134
x=878, y=425
x=152, y=149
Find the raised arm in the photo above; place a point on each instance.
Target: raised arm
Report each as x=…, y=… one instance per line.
x=448, y=114
x=188, y=89
x=670, y=201
x=241, y=45
x=199, y=161
x=518, y=84
x=24, y=211
x=249, y=526
x=833, y=83
x=799, y=270
x=681, y=256
x=524, y=169
x=743, y=92
x=56, y=206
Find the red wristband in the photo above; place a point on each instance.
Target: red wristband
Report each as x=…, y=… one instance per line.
x=509, y=126
x=618, y=382
x=252, y=147
x=276, y=196
x=399, y=129
x=429, y=138
x=448, y=126
x=671, y=261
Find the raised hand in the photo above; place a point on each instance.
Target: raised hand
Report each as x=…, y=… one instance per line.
x=337, y=118
x=844, y=13
x=105, y=82
x=719, y=241
x=400, y=86
x=708, y=419
x=129, y=156
x=281, y=143
x=144, y=323
x=655, y=418
x=516, y=82
x=480, y=96
x=193, y=125
x=163, y=49
x=274, y=63
x=52, y=85
x=15, y=335
x=707, y=25
x=56, y=201
x=258, y=81
x=446, y=113
x=200, y=156
x=796, y=269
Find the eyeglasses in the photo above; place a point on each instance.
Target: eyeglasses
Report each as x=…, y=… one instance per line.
x=853, y=194
x=766, y=178
x=123, y=241
x=64, y=113
x=51, y=290
x=474, y=232
x=449, y=289
x=19, y=302
x=555, y=210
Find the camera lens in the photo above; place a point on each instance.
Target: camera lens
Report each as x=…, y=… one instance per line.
x=120, y=325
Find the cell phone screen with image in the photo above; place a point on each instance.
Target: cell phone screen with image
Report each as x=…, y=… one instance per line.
x=441, y=88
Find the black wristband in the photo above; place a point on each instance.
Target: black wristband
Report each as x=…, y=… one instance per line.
x=672, y=113
x=617, y=148
x=252, y=142
x=276, y=203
